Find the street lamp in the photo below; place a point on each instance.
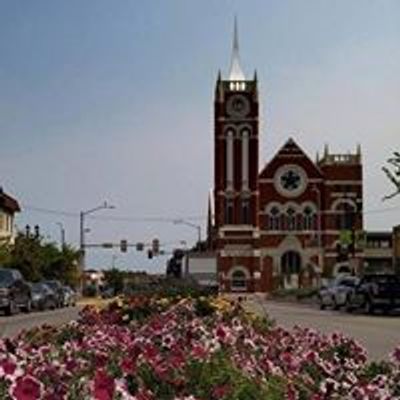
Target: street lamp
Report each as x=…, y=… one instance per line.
x=82, y=215
x=62, y=232
x=319, y=223
x=187, y=223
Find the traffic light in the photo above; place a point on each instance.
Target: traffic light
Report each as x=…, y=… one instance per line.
x=124, y=245
x=150, y=254
x=155, y=246
x=139, y=246
x=37, y=231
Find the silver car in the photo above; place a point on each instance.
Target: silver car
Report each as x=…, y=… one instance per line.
x=337, y=293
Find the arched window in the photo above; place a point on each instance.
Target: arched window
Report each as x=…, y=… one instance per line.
x=308, y=221
x=274, y=219
x=290, y=263
x=345, y=214
x=229, y=211
x=245, y=215
x=238, y=280
x=291, y=219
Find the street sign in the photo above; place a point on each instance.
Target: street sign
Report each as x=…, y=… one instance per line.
x=107, y=245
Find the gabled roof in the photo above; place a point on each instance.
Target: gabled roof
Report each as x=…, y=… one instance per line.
x=290, y=153
x=7, y=202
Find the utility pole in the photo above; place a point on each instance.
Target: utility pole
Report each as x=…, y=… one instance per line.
x=82, y=215
x=62, y=232
x=187, y=223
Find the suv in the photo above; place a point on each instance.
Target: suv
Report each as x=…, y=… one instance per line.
x=15, y=292
x=376, y=291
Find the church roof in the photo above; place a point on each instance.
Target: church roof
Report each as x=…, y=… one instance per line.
x=236, y=72
x=290, y=153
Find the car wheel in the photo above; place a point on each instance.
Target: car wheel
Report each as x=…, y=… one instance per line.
x=28, y=306
x=335, y=305
x=11, y=309
x=347, y=305
x=368, y=306
x=321, y=303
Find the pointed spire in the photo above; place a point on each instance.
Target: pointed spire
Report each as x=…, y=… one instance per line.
x=326, y=150
x=236, y=73
x=219, y=93
x=317, y=157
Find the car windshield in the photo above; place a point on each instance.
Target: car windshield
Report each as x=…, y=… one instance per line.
x=5, y=277
x=382, y=279
x=52, y=284
x=37, y=288
x=349, y=282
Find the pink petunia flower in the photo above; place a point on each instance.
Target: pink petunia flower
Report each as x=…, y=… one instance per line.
x=104, y=386
x=26, y=388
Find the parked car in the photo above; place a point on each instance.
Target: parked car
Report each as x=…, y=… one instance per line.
x=70, y=296
x=57, y=288
x=376, y=291
x=337, y=293
x=43, y=297
x=15, y=292
x=107, y=293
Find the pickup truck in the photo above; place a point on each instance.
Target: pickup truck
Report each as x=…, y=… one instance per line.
x=375, y=291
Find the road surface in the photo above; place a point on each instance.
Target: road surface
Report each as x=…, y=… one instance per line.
x=10, y=326
x=379, y=334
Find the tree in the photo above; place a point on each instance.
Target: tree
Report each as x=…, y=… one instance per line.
x=394, y=176
x=38, y=260
x=114, y=278
x=5, y=253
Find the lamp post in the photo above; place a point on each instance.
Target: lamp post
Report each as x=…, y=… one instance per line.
x=62, y=232
x=82, y=216
x=319, y=224
x=187, y=223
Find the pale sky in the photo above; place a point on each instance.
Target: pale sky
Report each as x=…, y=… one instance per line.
x=104, y=100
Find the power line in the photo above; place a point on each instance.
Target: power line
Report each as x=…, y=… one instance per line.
x=110, y=217
x=157, y=218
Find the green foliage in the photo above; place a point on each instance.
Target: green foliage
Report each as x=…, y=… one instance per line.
x=38, y=260
x=203, y=307
x=5, y=253
x=114, y=278
x=301, y=293
x=375, y=368
x=218, y=378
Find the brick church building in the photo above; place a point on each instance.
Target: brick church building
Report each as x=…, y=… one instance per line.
x=278, y=226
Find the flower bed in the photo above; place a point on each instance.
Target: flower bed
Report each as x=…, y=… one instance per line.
x=147, y=348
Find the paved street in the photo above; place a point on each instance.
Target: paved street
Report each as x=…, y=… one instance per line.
x=10, y=326
x=378, y=333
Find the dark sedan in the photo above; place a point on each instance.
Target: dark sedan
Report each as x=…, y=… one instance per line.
x=58, y=289
x=43, y=297
x=15, y=292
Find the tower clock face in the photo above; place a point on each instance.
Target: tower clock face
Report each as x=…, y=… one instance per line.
x=290, y=180
x=238, y=106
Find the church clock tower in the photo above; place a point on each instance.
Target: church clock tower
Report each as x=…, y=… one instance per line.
x=236, y=192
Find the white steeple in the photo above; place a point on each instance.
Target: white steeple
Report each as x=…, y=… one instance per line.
x=236, y=73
